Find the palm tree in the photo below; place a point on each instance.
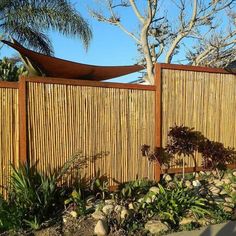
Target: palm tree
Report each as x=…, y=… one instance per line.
x=27, y=21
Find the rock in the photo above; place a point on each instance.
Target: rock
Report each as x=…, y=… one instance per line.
x=107, y=209
x=226, y=181
x=227, y=209
x=101, y=228
x=196, y=183
x=109, y=202
x=154, y=189
x=140, y=200
x=118, y=209
x=223, y=192
x=156, y=227
x=167, y=178
x=187, y=220
x=74, y=214
x=188, y=184
x=228, y=204
x=202, y=172
x=98, y=215
x=203, y=222
x=124, y=213
x=228, y=199
x=218, y=183
x=234, y=173
x=214, y=190
x=131, y=206
x=148, y=200
x=233, y=185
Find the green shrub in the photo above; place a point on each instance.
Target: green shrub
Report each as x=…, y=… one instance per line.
x=33, y=197
x=172, y=204
x=135, y=189
x=9, y=70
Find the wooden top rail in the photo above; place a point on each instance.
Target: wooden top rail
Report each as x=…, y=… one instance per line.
x=6, y=84
x=50, y=80
x=192, y=68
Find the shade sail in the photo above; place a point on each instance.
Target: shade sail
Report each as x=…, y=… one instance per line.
x=56, y=67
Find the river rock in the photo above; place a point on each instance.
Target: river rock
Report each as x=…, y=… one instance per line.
x=156, y=227
x=101, y=228
x=98, y=215
x=186, y=220
x=154, y=189
x=107, y=209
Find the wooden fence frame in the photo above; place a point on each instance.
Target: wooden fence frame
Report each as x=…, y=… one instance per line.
x=158, y=82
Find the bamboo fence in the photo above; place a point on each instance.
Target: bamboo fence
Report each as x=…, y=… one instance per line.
x=47, y=120
x=202, y=98
x=9, y=132
x=106, y=125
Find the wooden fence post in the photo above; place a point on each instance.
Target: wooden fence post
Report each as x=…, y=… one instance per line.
x=22, y=96
x=158, y=118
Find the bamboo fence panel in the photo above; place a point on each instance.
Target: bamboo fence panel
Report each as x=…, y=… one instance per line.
x=202, y=100
x=106, y=125
x=9, y=135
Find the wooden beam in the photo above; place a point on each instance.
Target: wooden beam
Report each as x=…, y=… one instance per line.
x=158, y=119
x=6, y=84
x=193, y=68
x=50, y=80
x=23, y=120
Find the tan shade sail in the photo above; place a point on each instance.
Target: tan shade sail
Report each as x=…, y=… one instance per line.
x=56, y=67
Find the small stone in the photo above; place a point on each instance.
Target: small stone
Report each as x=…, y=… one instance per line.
x=167, y=178
x=223, y=192
x=228, y=204
x=203, y=222
x=124, y=214
x=202, y=172
x=227, y=209
x=154, y=189
x=228, y=199
x=148, y=200
x=214, y=190
x=64, y=219
x=74, y=214
x=118, y=209
x=233, y=185
x=188, y=184
x=140, y=200
x=109, y=202
x=98, y=215
x=234, y=173
x=107, y=209
x=101, y=228
x=131, y=206
x=196, y=183
x=226, y=181
x=218, y=183
x=186, y=221
x=156, y=227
